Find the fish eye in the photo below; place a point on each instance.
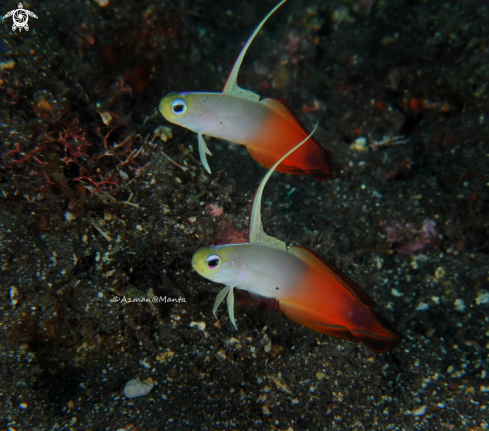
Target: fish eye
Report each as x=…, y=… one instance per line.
x=179, y=107
x=213, y=261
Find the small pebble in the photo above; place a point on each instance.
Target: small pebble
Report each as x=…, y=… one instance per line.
x=7, y=65
x=420, y=411
x=262, y=398
x=14, y=295
x=106, y=118
x=359, y=144
x=482, y=298
x=123, y=175
x=200, y=325
x=439, y=272
x=69, y=217
x=164, y=133
x=459, y=304
x=137, y=388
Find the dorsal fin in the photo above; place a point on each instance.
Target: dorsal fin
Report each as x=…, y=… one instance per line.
x=231, y=87
x=321, y=264
x=256, y=234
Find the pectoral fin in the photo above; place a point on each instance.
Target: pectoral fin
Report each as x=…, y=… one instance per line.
x=231, y=307
x=203, y=150
x=231, y=87
x=228, y=290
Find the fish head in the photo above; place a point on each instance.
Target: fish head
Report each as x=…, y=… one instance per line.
x=188, y=110
x=216, y=263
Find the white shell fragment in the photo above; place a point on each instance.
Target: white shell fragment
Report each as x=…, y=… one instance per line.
x=482, y=298
x=137, y=388
x=359, y=144
x=69, y=217
x=106, y=117
x=14, y=295
x=123, y=175
x=459, y=304
x=267, y=344
x=199, y=325
x=420, y=411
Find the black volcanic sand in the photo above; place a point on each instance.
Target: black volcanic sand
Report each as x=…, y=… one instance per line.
x=91, y=208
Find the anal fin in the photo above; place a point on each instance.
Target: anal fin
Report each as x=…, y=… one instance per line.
x=314, y=321
x=380, y=337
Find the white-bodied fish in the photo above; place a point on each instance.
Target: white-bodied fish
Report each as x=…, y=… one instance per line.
x=268, y=128
x=309, y=289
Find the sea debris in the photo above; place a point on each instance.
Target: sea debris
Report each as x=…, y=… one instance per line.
x=387, y=141
x=407, y=240
x=164, y=133
x=363, y=144
x=213, y=210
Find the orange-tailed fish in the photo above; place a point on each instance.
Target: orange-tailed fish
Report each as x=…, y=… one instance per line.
x=309, y=289
x=268, y=128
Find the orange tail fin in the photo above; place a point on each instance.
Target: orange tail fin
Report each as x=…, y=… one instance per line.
x=310, y=159
x=337, y=306
x=380, y=337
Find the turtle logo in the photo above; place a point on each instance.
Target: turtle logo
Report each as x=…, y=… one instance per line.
x=20, y=17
